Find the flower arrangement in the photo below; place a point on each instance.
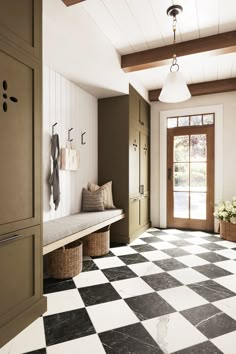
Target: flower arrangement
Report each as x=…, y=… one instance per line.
x=226, y=210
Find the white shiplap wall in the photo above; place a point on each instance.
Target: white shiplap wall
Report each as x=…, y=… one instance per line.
x=71, y=107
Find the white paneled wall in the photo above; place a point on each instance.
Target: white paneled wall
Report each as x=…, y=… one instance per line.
x=71, y=107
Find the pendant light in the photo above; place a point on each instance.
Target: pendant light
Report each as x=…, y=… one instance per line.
x=175, y=88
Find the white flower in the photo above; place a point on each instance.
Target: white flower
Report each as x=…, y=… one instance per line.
x=233, y=220
x=226, y=210
x=229, y=207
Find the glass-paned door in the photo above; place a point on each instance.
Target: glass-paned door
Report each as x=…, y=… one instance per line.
x=190, y=176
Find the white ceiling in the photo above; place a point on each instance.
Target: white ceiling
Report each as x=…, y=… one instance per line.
x=97, y=32
x=135, y=25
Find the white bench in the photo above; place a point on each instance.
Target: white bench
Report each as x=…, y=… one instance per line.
x=60, y=232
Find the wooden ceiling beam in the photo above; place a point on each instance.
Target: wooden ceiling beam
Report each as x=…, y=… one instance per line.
x=214, y=45
x=202, y=88
x=71, y=2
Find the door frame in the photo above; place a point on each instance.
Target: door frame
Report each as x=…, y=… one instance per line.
x=189, y=223
x=218, y=190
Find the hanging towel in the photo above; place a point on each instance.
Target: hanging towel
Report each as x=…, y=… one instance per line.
x=69, y=158
x=74, y=160
x=65, y=158
x=54, y=178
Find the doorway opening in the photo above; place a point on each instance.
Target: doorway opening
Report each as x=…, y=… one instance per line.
x=190, y=172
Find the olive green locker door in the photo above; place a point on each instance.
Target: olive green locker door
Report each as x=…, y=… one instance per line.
x=144, y=164
x=144, y=179
x=144, y=114
x=134, y=106
x=19, y=144
x=134, y=160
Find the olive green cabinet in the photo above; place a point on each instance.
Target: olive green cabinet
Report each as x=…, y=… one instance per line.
x=123, y=158
x=19, y=144
x=134, y=160
x=21, y=291
x=21, y=295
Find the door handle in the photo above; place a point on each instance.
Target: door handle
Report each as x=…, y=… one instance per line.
x=9, y=239
x=169, y=174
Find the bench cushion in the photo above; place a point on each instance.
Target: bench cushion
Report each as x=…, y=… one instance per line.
x=68, y=225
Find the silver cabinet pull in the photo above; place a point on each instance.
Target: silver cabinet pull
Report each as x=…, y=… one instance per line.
x=14, y=237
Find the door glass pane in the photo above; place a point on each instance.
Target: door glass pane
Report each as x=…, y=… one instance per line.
x=181, y=205
x=198, y=147
x=198, y=176
x=208, y=119
x=196, y=120
x=198, y=206
x=183, y=121
x=172, y=122
x=181, y=176
x=181, y=148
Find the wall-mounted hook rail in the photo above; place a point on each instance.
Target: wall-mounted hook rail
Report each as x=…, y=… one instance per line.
x=69, y=131
x=53, y=128
x=82, y=138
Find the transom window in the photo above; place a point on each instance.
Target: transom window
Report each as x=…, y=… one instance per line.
x=191, y=120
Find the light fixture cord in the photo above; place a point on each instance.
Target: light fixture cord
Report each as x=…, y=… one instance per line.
x=174, y=61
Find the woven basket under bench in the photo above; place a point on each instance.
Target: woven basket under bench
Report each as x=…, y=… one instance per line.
x=65, y=262
x=97, y=243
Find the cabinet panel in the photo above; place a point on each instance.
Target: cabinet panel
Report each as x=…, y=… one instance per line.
x=134, y=106
x=144, y=114
x=20, y=264
x=134, y=158
x=144, y=163
x=144, y=210
x=17, y=17
x=133, y=215
x=18, y=148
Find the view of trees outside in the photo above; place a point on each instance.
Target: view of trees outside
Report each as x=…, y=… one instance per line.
x=190, y=175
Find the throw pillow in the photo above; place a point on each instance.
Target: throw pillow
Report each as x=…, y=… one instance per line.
x=92, y=201
x=107, y=193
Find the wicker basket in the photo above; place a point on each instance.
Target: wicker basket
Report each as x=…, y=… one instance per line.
x=65, y=262
x=97, y=243
x=228, y=231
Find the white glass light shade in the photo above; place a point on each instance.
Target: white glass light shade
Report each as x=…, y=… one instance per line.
x=174, y=89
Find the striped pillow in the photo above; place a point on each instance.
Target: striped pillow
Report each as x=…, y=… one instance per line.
x=107, y=193
x=92, y=201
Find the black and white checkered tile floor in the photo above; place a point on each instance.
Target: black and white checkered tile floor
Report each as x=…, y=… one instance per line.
x=168, y=292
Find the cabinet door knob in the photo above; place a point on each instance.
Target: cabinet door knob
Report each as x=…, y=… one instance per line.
x=9, y=239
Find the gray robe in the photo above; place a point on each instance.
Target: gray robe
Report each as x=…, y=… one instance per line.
x=54, y=178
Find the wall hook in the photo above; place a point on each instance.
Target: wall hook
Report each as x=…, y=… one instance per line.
x=69, y=131
x=82, y=138
x=53, y=128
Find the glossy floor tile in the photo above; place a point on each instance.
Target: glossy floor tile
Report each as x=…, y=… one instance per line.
x=170, y=291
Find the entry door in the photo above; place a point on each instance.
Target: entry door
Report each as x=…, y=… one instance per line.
x=190, y=177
